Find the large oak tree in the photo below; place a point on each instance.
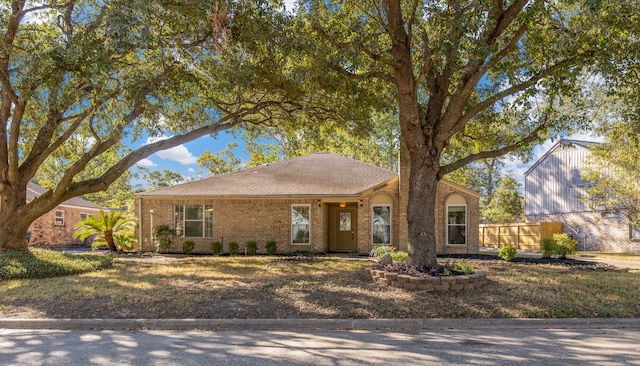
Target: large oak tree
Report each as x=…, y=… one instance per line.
x=84, y=83
x=470, y=79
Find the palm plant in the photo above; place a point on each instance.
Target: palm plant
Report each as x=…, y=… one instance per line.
x=116, y=230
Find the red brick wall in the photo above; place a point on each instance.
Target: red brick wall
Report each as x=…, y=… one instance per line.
x=44, y=232
x=593, y=231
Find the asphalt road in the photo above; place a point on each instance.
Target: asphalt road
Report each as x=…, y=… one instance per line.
x=499, y=346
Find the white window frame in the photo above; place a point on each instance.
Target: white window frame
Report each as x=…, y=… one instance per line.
x=390, y=224
x=181, y=231
x=291, y=224
x=634, y=232
x=466, y=222
x=58, y=220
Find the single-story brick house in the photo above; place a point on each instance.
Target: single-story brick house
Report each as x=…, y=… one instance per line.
x=56, y=227
x=319, y=202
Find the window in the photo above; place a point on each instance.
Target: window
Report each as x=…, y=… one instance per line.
x=634, y=232
x=194, y=221
x=456, y=224
x=300, y=224
x=577, y=180
x=59, y=218
x=381, y=222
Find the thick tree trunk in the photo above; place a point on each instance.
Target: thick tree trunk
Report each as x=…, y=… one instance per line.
x=421, y=208
x=14, y=223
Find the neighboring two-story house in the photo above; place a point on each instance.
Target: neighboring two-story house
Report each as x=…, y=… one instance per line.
x=554, y=190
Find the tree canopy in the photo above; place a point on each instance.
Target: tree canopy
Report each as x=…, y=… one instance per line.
x=85, y=83
x=469, y=80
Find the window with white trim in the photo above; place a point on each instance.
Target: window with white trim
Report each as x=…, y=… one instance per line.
x=381, y=224
x=193, y=221
x=634, y=232
x=300, y=224
x=58, y=220
x=456, y=224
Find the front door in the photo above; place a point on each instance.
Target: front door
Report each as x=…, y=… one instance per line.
x=343, y=228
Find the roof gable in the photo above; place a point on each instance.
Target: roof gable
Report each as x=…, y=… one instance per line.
x=563, y=143
x=319, y=174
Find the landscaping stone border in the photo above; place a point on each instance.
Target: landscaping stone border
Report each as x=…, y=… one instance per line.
x=428, y=283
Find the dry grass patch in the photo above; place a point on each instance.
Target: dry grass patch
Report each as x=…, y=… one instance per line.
x=268, y=287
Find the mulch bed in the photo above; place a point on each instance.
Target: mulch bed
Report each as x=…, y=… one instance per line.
x=568, y=262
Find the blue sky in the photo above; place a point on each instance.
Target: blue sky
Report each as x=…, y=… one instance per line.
x=183, y=158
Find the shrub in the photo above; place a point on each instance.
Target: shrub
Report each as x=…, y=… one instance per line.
x=565, y=245
x=163, y=236
x=399, y=256
x=381, y=250
x=560, y=245
x=271, y=247
x=188, y=246
x=234, y=248
x=216, y=247
x=507, y=252
x=548, y=246
x=44, y=263
x=463, y=266
x=252, y=247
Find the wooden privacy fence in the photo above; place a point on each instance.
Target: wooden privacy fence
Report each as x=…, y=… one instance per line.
x=521, y=235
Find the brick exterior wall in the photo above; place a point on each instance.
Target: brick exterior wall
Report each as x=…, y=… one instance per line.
x=265, y=219
x=593, y=231
x=237, y=220
x=240, y=220
x=44, y=231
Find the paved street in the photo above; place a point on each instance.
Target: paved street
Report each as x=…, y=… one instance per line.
x=507, y=346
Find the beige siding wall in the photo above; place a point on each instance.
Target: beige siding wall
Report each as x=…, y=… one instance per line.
x=44, y=231
x=548, y=187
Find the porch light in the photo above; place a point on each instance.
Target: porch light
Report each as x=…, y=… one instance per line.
x=361, y=203
x=319, y=203
x=343, y=204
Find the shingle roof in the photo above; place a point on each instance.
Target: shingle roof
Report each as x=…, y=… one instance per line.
x=34, y=190
x=320, y=174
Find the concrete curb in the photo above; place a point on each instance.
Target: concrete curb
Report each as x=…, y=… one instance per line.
x=318, y=324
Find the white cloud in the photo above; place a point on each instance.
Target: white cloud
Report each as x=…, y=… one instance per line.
x=191, y=170
x=146, y=163
x=179, y=153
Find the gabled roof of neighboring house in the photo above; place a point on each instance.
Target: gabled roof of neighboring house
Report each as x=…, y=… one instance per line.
x=34, y=190
x=562, y=143
x=319, y=174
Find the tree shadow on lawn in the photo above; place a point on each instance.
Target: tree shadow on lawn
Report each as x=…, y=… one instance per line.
x=298, y=290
